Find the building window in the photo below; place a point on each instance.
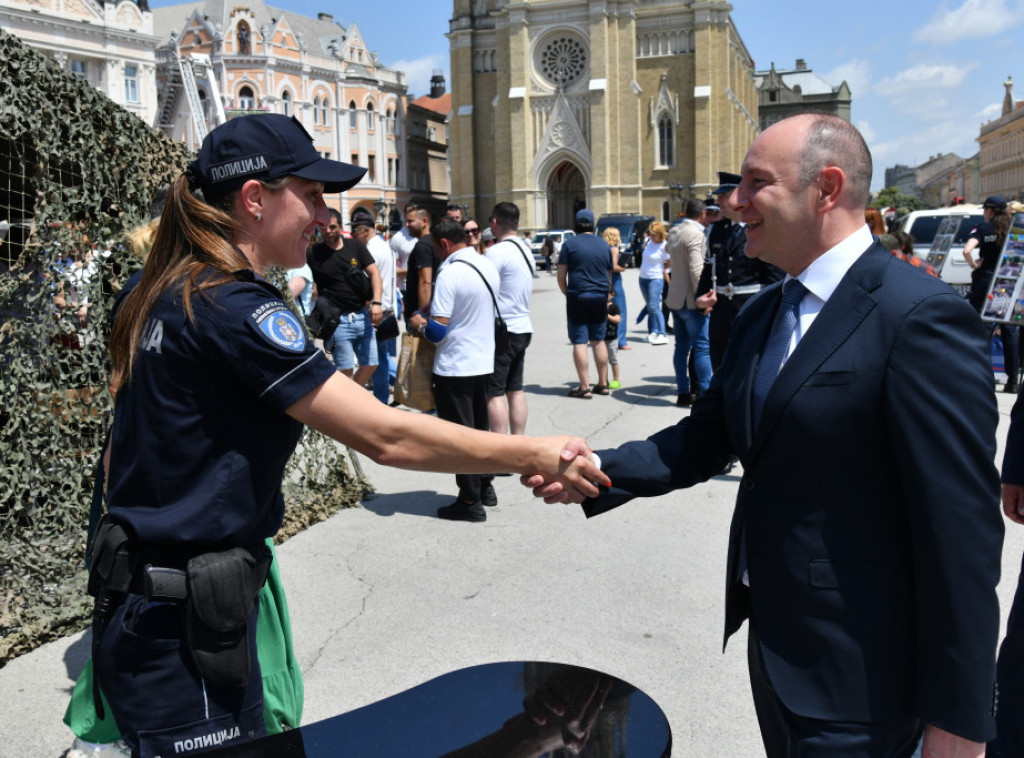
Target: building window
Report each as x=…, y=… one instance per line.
x=389, y=122
x=286, y=103
x=369, y=117
x=79, y=70
x=316, y=111
x=246, y=100
x=666, y=143
x=398, y=171
x=355, y=159
x=352, y=115
x=323, y=111
x=391, y=171
x=563, y=61
x=371, y=168
x=131, y=84
x=665, y=211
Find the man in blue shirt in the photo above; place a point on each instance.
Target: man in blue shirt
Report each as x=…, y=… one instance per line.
x=585, y=278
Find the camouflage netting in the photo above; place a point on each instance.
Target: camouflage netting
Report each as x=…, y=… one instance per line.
x=77, y=174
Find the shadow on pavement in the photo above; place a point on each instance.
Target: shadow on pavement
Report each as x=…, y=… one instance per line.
x=419, y=503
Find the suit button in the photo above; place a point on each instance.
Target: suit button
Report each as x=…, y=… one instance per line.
x=747, y=482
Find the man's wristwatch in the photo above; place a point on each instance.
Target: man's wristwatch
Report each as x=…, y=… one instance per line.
x=376, y=302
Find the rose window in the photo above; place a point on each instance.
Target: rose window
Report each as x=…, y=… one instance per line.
x=563, y=60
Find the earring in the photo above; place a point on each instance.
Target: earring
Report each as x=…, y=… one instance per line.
x=259, y=216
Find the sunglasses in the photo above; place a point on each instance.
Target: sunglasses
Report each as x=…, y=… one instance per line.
x=474, y=231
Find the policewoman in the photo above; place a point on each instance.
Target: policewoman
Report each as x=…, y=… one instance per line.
x=216, y=378
x=987, y=238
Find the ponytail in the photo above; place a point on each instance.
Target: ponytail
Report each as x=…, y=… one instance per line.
x=193, y=247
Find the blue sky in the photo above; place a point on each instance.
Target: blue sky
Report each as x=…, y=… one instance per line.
x=924, y=76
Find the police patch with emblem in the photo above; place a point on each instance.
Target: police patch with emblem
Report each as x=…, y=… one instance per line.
x=279, y=326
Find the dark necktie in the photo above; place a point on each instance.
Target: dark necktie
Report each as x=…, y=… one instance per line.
x=778, y=342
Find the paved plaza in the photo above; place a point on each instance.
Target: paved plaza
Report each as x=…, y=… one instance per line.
x=387, y=596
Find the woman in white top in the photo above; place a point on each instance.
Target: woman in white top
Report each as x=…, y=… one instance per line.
x=653, y=278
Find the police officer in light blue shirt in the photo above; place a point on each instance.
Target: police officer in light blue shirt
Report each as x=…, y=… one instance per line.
x=215, y=378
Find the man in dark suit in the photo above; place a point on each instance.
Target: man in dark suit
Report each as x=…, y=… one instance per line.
x=865, y=544
x=1009, y=742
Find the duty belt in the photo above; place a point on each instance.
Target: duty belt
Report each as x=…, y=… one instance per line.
x=744, y=289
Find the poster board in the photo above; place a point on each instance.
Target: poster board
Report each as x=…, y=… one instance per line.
x=1005, y=301
x=942, y=242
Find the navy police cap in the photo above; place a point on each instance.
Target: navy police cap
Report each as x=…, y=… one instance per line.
x=266, y=146
x=726, y=182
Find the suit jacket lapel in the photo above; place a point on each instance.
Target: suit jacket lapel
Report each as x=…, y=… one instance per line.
x=845, y=310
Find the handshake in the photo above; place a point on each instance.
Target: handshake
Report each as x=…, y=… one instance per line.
x=576, y=476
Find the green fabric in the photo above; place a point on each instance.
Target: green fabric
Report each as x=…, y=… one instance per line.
x=282, y=679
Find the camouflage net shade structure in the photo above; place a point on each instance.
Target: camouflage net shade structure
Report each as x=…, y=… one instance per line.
x=77, y=174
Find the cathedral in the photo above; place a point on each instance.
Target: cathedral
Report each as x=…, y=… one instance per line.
x=614, y=105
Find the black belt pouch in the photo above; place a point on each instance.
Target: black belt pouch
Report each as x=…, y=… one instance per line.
x=222, y=588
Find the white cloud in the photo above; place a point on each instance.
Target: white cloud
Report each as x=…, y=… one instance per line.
x=866, y=131
x=856, y=74
x=972, y=20
x=923, y=77
x=419, y=71
x=925, y=91
x=991, y=112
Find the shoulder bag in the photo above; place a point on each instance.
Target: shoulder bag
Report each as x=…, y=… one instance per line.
x=501, y=339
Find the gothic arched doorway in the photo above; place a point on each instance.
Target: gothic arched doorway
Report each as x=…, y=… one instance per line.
x=567, y=193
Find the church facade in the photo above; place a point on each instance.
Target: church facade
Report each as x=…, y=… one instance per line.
x=617, y=106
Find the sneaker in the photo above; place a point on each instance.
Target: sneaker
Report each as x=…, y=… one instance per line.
x=659, y=339
x=614, y=385
x=460, y=511
x=83, y=749
x=488, y=496
x=684, y=401
x=651, y=337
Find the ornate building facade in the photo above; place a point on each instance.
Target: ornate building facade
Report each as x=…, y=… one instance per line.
x=787, y=92
x=266, y=59
x=1001, y=145
x=618, y=106
x=107, y=44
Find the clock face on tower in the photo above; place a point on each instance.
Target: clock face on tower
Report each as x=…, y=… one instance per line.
x=563, y=60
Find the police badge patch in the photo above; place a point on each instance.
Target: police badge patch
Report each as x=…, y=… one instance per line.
x=280, y=326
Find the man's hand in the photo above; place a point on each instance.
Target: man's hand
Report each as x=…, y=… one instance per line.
x=1013, y=502
x=707, y=301
x=938, y=743
x=574, y=454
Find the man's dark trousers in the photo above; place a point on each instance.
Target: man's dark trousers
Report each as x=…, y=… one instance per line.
x=463, y=400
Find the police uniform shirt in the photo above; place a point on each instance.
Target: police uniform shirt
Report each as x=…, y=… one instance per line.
x=200, y=434
x=988, y=249
x=329, y=266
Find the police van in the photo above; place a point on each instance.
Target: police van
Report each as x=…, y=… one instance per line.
x=631, y=228
x=939, y=237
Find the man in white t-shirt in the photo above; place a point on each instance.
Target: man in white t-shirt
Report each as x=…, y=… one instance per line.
x=461, y=324
x=364, y=230
x=506, y=400
x=402, y=242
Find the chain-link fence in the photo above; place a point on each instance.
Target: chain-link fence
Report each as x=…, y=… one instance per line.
x=77, y=175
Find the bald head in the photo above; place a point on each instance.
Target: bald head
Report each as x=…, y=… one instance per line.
x=830, y=141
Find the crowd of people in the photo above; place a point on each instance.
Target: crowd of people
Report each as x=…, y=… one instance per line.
x=866, y=572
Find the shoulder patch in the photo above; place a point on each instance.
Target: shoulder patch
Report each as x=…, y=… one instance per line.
x=279, y=326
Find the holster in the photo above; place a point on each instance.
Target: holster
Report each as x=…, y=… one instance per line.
x=222, y=588
x=110, y=576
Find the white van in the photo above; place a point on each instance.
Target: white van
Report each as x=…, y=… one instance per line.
x=939, y=237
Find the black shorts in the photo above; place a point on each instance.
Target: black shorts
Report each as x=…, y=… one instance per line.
x=587, y=317
x=508, y=366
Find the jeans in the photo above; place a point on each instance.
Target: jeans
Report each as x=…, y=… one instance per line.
x=691, y=331
x=620, y=300
x=354, y=341
x=651, y=290
x=385, y=373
